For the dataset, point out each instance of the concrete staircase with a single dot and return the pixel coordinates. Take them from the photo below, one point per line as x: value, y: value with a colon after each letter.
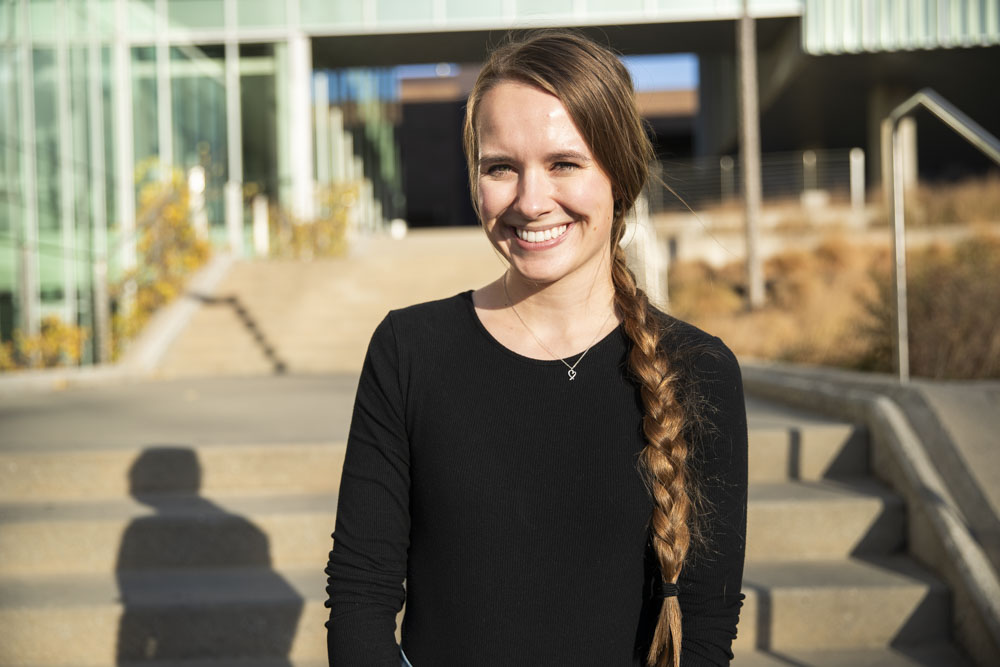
x: 827, y: 581
x: 116, y: 548
x: 317, y: 316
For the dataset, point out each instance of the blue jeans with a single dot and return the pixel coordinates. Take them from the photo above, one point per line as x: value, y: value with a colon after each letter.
x: 403, y: 662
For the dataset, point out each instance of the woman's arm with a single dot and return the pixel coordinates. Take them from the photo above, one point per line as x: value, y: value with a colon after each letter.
x: 368, y: 563
x: 711, y: 580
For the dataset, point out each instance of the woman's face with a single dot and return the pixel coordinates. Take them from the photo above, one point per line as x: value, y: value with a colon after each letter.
x: 545, y: 203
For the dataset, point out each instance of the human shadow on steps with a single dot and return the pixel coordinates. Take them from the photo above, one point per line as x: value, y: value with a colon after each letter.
x: 195, y: 581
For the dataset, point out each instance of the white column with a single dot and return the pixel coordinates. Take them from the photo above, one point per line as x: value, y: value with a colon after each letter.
x: 233, y: 193
x: 858, y: 186
x: 30, y: 296
x: 164, y: 94
x: 261, y: 227
x: 300, y: 124
x: 321, y: 102
x: 750, y: 153
x: 98, y: 191
x: 234, y: 135
x: 67, y: 183
x: 338, y: 167
x: 121, y: 96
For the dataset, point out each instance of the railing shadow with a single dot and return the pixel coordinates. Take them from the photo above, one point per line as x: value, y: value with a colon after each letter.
x: 278, y: 365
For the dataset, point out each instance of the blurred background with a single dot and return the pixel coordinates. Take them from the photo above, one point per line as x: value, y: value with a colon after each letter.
x: 206, y: 207
x: 139, y: 136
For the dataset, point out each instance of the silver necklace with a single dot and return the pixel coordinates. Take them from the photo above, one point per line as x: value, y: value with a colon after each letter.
x: 571, y: 372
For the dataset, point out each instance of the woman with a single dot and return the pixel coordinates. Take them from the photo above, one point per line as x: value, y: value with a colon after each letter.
x: 556, y: 469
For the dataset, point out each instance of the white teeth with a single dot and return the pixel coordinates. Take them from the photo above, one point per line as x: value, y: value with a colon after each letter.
x: 544, y: 235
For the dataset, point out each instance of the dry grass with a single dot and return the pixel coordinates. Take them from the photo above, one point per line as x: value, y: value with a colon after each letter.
x: 971, y: 201
x: 830, y: 306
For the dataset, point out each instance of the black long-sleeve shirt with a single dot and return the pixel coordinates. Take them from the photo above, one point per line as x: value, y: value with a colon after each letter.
x: 510, y: 501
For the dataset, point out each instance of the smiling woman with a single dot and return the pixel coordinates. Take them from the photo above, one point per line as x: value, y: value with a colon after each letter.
x: 555, y: 468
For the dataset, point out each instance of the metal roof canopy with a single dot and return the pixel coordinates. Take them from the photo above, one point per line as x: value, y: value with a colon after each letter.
x: 382, y: 50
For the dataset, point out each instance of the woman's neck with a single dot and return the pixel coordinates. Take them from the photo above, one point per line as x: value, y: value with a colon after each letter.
x: 555, y: 320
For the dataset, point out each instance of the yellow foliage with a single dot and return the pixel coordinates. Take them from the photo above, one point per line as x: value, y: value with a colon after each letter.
x: 56, y: 344
x: 169, y: 251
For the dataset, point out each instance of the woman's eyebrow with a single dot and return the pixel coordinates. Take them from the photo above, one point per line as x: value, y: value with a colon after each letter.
x: 495, y: 158
x: 567, y: 155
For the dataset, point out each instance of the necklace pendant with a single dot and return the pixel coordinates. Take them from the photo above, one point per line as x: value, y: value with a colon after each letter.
x: 571, y: 373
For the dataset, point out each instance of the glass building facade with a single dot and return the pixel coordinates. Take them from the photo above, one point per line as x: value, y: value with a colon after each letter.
x: 100, y: 98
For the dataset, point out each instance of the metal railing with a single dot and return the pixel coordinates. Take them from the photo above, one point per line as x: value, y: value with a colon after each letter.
x: 712, y: 181
x: 892, y: 181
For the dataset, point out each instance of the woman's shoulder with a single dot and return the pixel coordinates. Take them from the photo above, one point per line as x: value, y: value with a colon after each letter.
x: 429, y: 320
x: 696, y: 350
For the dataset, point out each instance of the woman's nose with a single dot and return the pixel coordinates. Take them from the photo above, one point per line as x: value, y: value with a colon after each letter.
x: 534, y: 195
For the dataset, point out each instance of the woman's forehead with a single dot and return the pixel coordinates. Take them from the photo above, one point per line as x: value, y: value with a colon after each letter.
x: 516, y: 114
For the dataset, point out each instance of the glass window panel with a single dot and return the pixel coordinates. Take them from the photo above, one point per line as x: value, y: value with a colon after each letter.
x: 544, y: 7
x: 105, y: 19
x: 142, y: 17
x: 10, y: 163
x: 259, y: 117
x: 111, y: 198
x: 393, y: 11
x: 9, y: 19
x: 196, y: 13
x: 77, y: 18
x: 46, y: 138
x: 261, y: 13
x: 327, y: 12
x: 483, y: 9
x: 615, y: 6
x: 144, y: 114
x: 80, y: 121
x: 42, y: 15
x: 198, y: 100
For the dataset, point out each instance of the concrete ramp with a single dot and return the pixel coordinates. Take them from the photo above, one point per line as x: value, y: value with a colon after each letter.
x: 316, y: 316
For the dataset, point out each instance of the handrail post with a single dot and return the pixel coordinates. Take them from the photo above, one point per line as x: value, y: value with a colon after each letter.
x: 892, y: 180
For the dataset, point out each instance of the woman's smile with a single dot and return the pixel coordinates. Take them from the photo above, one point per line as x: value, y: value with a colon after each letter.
x: 540, y: 239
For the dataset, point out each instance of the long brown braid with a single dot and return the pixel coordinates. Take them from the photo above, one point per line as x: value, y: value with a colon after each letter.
x: 597, y: 91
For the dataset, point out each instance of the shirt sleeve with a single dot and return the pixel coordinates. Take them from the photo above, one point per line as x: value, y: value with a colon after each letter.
x: 711, y: 580
x: 367, y: 565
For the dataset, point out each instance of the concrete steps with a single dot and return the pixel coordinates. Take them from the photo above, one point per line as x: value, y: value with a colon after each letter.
x: 232, y: 613
x: 212, y: 554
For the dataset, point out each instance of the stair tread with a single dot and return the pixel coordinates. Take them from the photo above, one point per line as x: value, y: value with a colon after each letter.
x: 164, y: 588
x: 852, y: 573
x: 849, y: 490
x: 168, y: 506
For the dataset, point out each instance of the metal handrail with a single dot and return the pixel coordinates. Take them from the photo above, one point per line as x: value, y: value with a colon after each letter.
x: 892, y: 179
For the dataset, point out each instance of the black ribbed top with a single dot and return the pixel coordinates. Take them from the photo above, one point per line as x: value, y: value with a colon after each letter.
x: 510, y: 501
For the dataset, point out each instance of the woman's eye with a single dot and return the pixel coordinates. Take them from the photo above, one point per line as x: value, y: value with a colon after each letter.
x: 564, y: 166
x: 497, y: 169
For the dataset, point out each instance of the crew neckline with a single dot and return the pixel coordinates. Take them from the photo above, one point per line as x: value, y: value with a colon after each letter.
x: 491, y: 339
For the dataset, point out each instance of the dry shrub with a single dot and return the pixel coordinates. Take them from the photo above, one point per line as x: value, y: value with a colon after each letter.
x: 971, y: 201
x: 953, y: 309
x: 810, y: 309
